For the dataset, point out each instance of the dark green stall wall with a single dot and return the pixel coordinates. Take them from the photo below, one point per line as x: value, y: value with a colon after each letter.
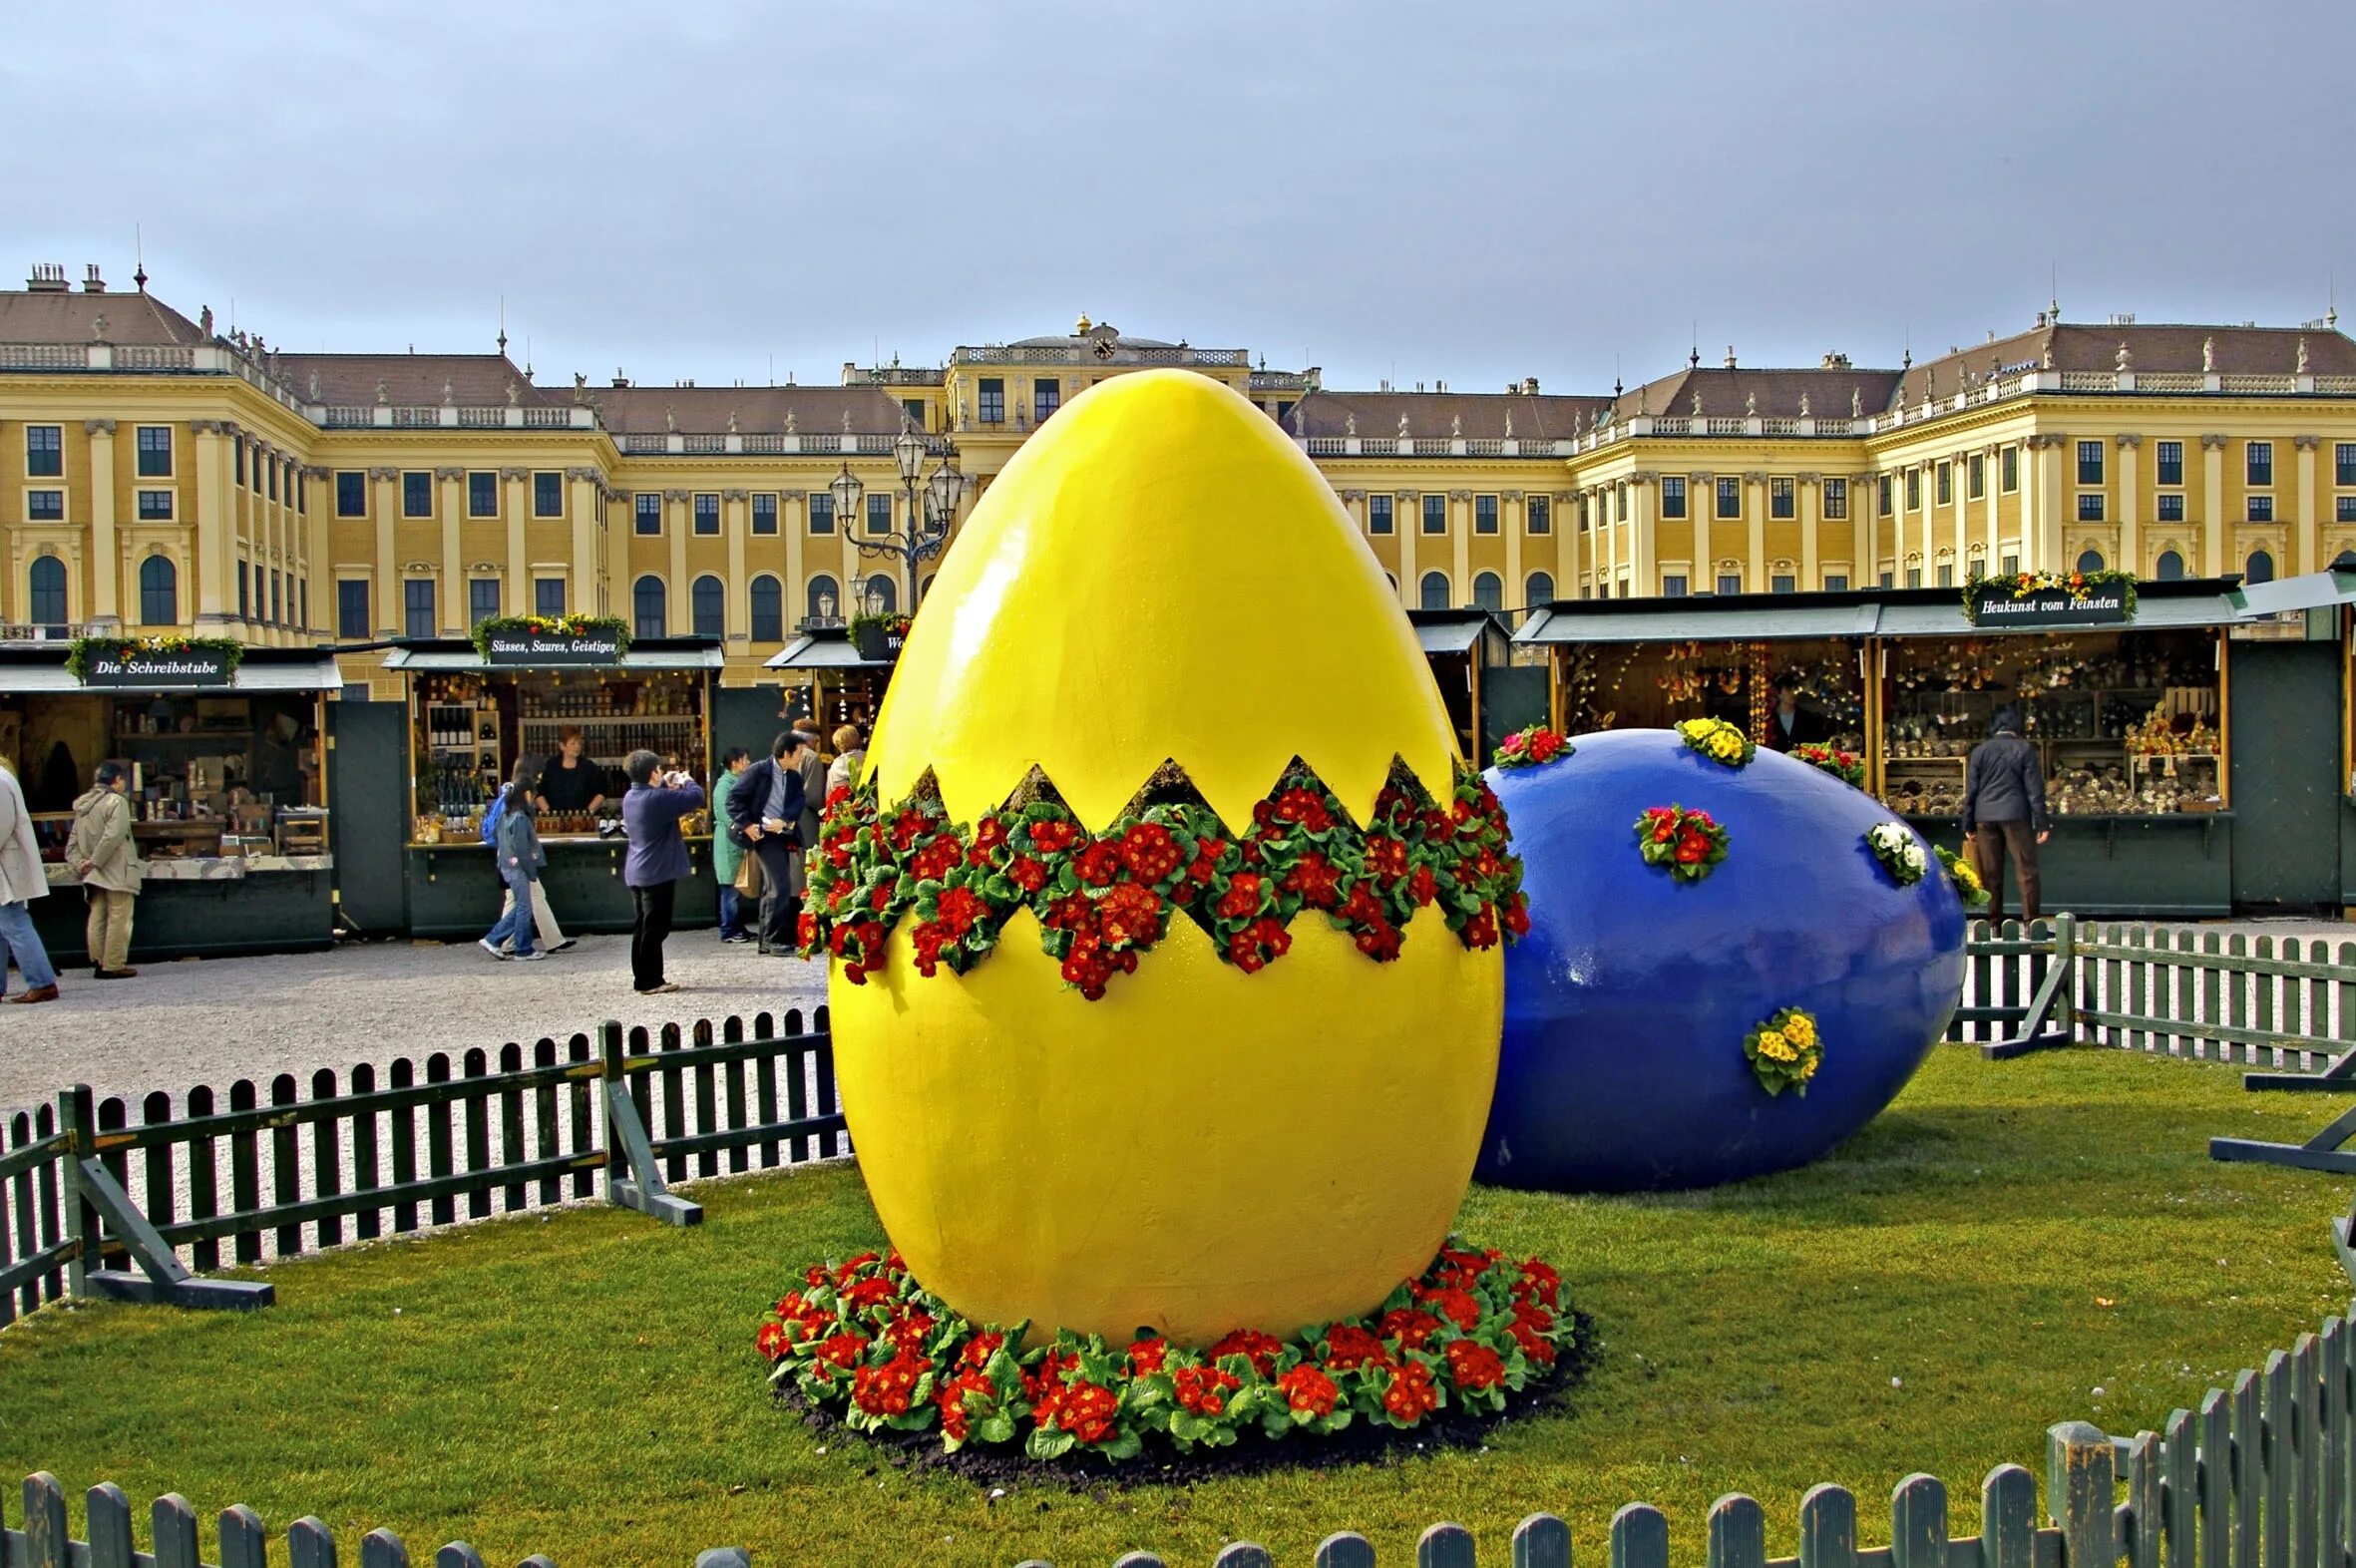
x: 454, y: 892
x: 2285, y: 709
x: 746, y: 717
x: 368, y: 813
x: 2175, y: 867
x: 264, y: 912
x: 1512, y: 697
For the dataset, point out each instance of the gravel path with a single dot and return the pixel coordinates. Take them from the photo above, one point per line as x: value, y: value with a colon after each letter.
x: 215, y: 1020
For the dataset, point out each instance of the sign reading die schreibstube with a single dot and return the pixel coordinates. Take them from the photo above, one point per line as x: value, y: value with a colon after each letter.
x: 554, y: 647
x: 147, y: 668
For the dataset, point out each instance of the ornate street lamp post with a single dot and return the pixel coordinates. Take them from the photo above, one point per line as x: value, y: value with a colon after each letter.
x: 932, y: 508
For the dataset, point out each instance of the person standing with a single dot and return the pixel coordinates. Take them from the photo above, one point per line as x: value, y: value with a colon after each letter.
x: 521, y: 860
x: 850, y: 757
x: 1790, y: 725
x: 22, y: 880
x: 571, y: 784
x: 657, y: 858
x: 813, y: 769
x: 100, y: 852
x: 765, y: 812
x: 2004, y: 812
x: 727, y: 854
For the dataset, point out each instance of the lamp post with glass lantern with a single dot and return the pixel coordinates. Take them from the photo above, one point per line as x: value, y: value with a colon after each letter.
x: 932, y: 508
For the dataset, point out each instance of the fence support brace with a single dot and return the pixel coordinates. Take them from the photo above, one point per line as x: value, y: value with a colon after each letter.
x: 94, y: 1199
x: 633, y: 1179
x: 2052, y: 1012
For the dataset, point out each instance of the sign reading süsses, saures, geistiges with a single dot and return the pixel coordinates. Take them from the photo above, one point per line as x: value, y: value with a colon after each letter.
x: 552, y: 648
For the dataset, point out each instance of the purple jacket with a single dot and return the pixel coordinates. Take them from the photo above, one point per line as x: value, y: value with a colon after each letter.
x: 658, y: 854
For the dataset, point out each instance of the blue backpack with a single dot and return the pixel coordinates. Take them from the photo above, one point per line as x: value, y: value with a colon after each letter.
x: 491, y: 819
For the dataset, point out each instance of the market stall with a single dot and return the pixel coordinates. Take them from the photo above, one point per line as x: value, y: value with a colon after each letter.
x: 828, y: 678
x: 475, y: 713
x: 2314, y: 613
x: 226, y: 788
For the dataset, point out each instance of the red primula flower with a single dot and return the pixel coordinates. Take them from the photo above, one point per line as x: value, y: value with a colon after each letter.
x: 1422, y: 887
x: 1205, y: 864
x: 1387, y: 856
x: 1250, y: 949
x: 1481, y: 931
x: 1099, y: 863
x: 1129, y: 913
x: 961, y: 908
x: 1409, y: 1326
x: 938, y: 858
x: 978, y: 1349
x: 1147, y: 1355
x: 1539, y: 1280
x: 1317, y: 880
x: 1304, y: 807
x: 1086, y: 1410
x: 1203, y: 1390
x: 990, y: 834
x: 1027, y: 874
x: 1475, y: 1366
x: 1411, y: 1395
x: 1518, y: 916
x: 1241, y: 901
x: 905, y: 829
x: 1452, y: 1303
x: 884, y: 1390
x: 1692, y: 847
x: 950, y: 1398
x: 837, y: 1350
x: 1306, y: 1389
x: 806, y: 930
x: 1150, y: 852
x: 1349, y: 1346
x: 773, y: 1340
x: 1053, y: 837
x: 1261, y: 1350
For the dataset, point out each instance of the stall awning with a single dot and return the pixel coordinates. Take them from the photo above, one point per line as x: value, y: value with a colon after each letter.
x: 254, y: 675
x: 2314, y: 590
x: 1458, y: 637
x: 1697, y: 621
x: 638, y: 659
x: 808, y: 653
x: 2154, y: 612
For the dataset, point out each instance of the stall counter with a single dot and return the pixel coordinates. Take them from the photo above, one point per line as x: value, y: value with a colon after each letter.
x: 455, y: 891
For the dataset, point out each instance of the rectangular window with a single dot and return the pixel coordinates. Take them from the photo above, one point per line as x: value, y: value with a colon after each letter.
x: 2090, y: 461
x: 2343, y: 464
x: 244, y: 594
x: 1540, y: 512
x: 1730, y: 583
x: 1914, y: 577
x: 2012, y: 565
x: 707, y: 513
x: 2171, y: 509
x: 482, y: 494
x: 1672, y: 495
x: 547, y: 495
x: 650, y: 512
x: 1671, y: 585
x: 914, y: 409
x: 261, y: 595
x: 351, y: 494
x: 2260, y: 463
x: 2347, y: 512
x: 352, y: 609
x: 822, y: 512
x: 992, y: 393
x: 1780, y: 499
x: 2170, y: 462
x: 1379, y: 514
x: 1836, y: 499
x: 878, y: 515
x: 1435, y: 514
x: 1947, y: 574
x: 1914, y: 490
x: 155, y: 451
x: 1284, y: 410
x: 1836, y: 583
x: 273, y: 479
x: 1975, y: 477
x: 1730, y: 497
x: 1046, y: 396
x: 1783, y: 584
x: 1946, y: 483
x: 2261, y: 509
x: 1881, y: 486
x: 1887, y: 580
x: 1484, y: 514
x: 45, y: 506
x: 305, y: 590
x: 481, y: 599
x: 417, y: 596
x: 548, y: 596
x: 2009, y: 475
x: 417, y: 494
x: 2090, y: 507
x: 764, y: 514
x: 238, y: 461
x: 277, y: 599
x: 45, y: 451
x: 155, y: 505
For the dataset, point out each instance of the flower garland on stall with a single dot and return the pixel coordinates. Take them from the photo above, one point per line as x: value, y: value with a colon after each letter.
x: 1103, y: 899
x: 1717, y: 740
x: 574, y: 624
x: 1785, y: 1052
x: 81, y: 650
x: 1686, y: 844
x: 2077, y: 586
x: 864, y: 1342
x: 1899, y: 851
x: 1527, y: 748
x: 1845, y: 766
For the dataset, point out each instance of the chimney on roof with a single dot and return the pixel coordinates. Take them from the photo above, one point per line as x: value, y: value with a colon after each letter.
x: 1729, y: 356
x: 2041, y: 318
x: 92, y: 283
x: 48, y: 278
x: 1529, y: 387
x: 619, y: 379
x: 1833, y: 361
x: 850, y: 373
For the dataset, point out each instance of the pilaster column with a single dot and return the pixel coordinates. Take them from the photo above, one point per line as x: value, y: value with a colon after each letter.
x: 793, y: 523
x: 735, y: 611
x: 2212, y: 504
x: 1994, y: 457
x: 2131, y: 536
x: 1865, y: 563
x: 1607, y: 574
x: 215, y: 520
x: 1959, y: 470
x: 389, y: 619
x: 1644, y: 544
x: 1700, y: 504
x: 678, y: 609
x: 106, y: 549
x: 1407, y: 515
x: 2052, y: 505
x: 1566, y: 546
x: 516, y: 592
x: 1460, y: 546
x: 2307, y: 550
x: 1812, y: 520
x: 1754, y: 571
x: 450, y: 596
x: 317, y: 560
x: 1514, y: 519
x: 586, y: 493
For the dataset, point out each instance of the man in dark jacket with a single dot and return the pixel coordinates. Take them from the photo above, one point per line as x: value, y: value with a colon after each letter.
x: 2004, y: 811
x: 765, y: 816
x: 657, y: 858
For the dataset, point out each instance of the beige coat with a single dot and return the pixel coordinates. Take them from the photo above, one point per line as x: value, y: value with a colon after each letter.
x: 21, y: 876
x: 101, y: 848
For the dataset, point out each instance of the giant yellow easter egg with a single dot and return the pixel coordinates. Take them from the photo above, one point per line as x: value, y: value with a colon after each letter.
x: 1159, y: 576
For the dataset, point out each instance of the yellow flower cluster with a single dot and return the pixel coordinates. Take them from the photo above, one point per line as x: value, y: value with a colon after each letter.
x: 1785, y: 1052
x: 1969, y: 874
x: 1717, y: 740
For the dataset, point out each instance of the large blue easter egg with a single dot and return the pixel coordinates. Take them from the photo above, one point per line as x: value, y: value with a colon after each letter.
x: 1626, y: 1006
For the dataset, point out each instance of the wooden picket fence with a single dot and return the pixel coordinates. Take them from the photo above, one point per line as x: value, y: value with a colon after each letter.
x: 2262, y: 1475
x: 87, y: 1192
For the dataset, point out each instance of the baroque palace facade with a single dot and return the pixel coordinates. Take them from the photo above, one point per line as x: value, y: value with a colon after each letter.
x: 157, y: 474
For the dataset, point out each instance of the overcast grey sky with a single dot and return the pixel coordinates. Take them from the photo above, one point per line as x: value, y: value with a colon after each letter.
x: 1470, y: 192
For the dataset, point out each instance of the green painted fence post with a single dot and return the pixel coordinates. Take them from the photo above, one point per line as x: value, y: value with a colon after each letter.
x: 46, y: 1544
x: 2008, y: 1518
x: 1640, y: 1538
x: 309, y: 1543
x: 171, y: 1526
x: 1539, y: 1541
x: 1444, y: 1546
x: 2079, y: 1487
x: 108, y: 1513
x: 1918, y: 1522
x: 1344, y: 1549
x: 1828, y: 1528
x: 75, y: 1120
x: 1737, y: 1533
x: 2066, y: 957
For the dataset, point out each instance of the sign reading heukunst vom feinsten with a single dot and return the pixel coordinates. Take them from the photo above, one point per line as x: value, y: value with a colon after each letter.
x: 147, y: 669
x: 552, y: 648
x: 2004, y: 603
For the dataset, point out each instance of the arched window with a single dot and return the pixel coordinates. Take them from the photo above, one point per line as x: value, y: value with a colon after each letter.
x: 1435, y: 590
x: 704, y: 601
x: 1541, y: 591
x: 1392, y: 580
x: 825, y: 599
x: 768, y: 606
x: 47, y: 605
x: 648, y: 599
x: 2171, y: 565
x: 2259, y: 567
x: 1488, y: 592
x: 883, y: 595
x: 2089, y: 560
x: 925, y: 590
x: 159, y: 591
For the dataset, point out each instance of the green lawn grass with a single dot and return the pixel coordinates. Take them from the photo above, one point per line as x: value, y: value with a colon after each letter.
x: 1928, y: 1299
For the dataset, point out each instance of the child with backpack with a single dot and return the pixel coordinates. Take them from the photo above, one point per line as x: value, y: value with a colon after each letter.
x: 544, y: 919
x: 519, y: 859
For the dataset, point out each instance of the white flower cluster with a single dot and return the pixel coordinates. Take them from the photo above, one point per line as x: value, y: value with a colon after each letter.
x: 1897, y: 847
